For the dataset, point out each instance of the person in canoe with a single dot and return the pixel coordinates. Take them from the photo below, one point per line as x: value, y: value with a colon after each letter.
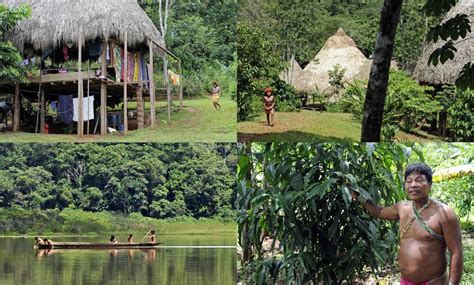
x: 48, y: 242
x: 130, y: 238
x: 151, y: 236
x: 39, y: 241
x: 113, y: 239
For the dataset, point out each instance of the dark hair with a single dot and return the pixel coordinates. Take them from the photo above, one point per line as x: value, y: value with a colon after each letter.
x: 152, y: 232
x: 112, y: 237
x: 420, y: 168
x: 130, y: 235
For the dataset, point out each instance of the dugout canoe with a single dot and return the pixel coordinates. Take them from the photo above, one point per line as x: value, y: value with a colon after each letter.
x: 92, y: 245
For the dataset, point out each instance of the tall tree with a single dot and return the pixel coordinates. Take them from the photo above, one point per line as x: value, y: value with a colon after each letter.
x: 378, y: 82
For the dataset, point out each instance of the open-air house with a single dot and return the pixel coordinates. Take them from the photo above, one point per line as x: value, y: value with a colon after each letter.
x: 91, y: 54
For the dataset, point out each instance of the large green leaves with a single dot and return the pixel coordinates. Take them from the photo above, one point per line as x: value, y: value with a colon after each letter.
x: 300, y: 196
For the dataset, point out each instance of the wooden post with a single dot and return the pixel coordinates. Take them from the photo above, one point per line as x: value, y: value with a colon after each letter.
x: 180, y: 86
x: 167, y: 86
x: 42, y: 111
x: 125, y: 83
x: 140, y: 109
x: 80, y: 95
x: 103, y: 91
x: 152, y: 87
x: 16, y: 109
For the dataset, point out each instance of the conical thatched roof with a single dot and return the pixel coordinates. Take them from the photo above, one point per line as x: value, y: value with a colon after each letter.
x: 450, y: 70
x: 338, y: 49
x: 292, y: 73
x: 56, y: 22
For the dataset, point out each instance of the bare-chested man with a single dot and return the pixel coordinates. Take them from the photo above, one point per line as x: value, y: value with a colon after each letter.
x: 427, y: 228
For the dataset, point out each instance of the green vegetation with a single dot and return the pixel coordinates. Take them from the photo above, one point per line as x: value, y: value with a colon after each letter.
x: 272, y: 32
x: 198, y: 122
x: 202, y: 34
x: 297, y: 194
x: 313, y: 126
x: 15, y: 221
x: 155, y: 180
x: 9, y: 59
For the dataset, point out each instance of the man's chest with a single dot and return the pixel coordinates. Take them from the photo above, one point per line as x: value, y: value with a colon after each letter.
x: 420, y: 230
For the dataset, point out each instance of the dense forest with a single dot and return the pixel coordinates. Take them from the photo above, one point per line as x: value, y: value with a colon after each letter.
x: 203, y: 35
x: 158, y: 181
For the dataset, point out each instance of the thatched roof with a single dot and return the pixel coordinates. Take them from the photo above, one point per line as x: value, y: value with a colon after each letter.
x: 450, y: 70
x: 291, y: 74
x: 338, y: 49
x: 56, y: 22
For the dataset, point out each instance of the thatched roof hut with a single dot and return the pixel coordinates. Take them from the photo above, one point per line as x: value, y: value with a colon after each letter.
x: 338, y: 49
x: 450, y: 70
x: 291, y: 74
x: 57, y: 22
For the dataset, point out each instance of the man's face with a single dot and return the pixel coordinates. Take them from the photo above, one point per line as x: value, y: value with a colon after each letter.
x: 417, y: 186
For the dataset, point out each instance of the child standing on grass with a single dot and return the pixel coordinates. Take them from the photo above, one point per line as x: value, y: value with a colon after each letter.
x: 269, y: 104
x: 216, y: 92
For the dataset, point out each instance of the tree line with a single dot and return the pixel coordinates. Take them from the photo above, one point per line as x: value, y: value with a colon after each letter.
x: 156, y: 180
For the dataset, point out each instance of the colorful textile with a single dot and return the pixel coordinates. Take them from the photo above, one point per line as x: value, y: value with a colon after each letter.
x: 404, y: 281
x: 136, y: 69
x: 118, y: 64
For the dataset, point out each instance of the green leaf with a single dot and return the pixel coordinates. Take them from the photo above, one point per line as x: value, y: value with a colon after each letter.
x: 346, y: 195
x: 319, y: 188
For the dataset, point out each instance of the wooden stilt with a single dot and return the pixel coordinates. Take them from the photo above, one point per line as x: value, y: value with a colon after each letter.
x: 180, y: 86
x: 42, y: 111
x: 16, y: 109
x: 152, y: 87
x: 80, y: 121
x: 140, y: 109
x: 125, y: 83
x: 103, y: 91
x: 167, y: 85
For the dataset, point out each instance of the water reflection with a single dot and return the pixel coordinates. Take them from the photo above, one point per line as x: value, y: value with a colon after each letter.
x: 21, y: 264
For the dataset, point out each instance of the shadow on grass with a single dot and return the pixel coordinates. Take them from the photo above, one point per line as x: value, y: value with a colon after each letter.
x: 288, y: 136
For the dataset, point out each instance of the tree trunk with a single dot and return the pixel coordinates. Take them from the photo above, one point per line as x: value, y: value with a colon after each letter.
x: 378, y: 82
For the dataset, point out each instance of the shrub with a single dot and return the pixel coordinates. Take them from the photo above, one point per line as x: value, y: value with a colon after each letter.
x: 461, y: 116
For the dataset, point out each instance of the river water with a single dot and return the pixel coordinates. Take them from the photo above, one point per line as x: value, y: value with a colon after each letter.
x: 21, y: 264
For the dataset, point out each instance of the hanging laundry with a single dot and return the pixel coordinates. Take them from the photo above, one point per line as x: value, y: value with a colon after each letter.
x: 136, y: 66
x: 174, y: 78
x: 87, y: 108
x: 131, y: 66
x: 118, y: 64
x: 54, y: 106
x: 65, y: 108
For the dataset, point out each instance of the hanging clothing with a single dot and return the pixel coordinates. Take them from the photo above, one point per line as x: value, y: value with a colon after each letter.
x: 65, y: 108
x: 87, y: 108
x: 54, y: 106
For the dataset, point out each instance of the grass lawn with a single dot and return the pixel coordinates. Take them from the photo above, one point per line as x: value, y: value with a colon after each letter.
x: 197, y: 122
x: 310, y: 126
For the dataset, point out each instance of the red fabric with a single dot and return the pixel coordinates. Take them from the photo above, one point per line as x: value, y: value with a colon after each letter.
x: 405, y: 281
x: 268, y: 89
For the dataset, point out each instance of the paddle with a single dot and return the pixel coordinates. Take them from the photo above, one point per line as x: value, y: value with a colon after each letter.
x: 145, y: 236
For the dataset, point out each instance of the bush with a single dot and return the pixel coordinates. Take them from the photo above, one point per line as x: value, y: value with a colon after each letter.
x: 286, y: 98
x: 406, y: 104
x: 461, y: 116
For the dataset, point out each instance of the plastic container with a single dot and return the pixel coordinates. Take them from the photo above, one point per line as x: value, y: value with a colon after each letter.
x: 120, y: 128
